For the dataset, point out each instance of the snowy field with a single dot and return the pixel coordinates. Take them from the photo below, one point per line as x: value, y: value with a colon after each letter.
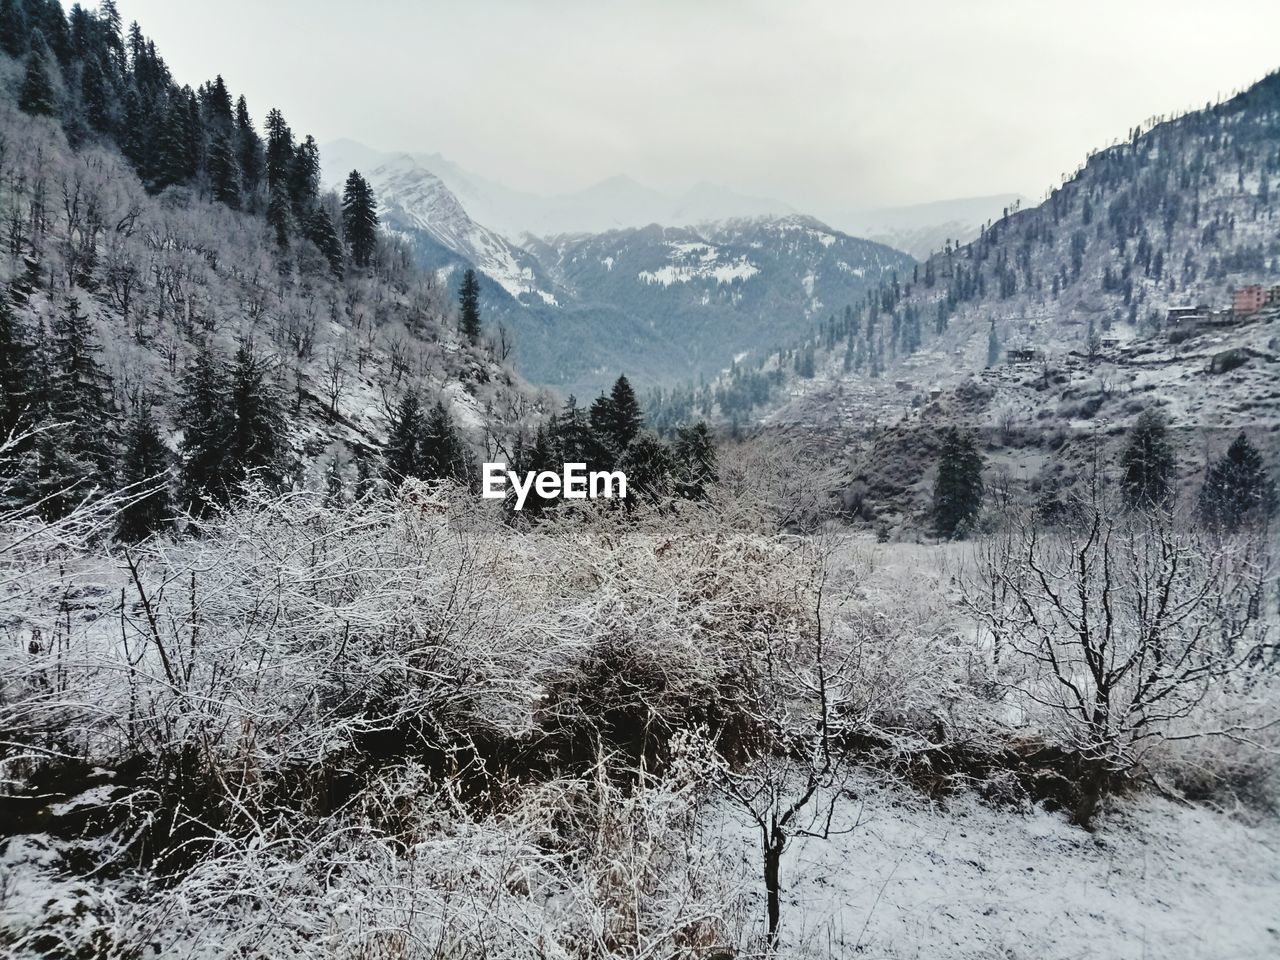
x: 1156, y: 881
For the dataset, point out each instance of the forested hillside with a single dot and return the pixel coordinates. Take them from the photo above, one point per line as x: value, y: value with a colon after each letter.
x: 178, y: 294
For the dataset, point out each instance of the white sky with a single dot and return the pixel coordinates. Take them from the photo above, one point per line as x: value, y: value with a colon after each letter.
x: 826, y: 104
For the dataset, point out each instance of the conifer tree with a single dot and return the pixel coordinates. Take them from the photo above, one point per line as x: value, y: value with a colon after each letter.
x: 694, y: 454
x: 96, y: 97
x: 958, y: 488
x: 36, y: 95
x: 401, y: 455
x: 13, y: 28
x: 359, y: 218
x: 205, y: 421
x: 248, y: 148
x: 280, y: 151
x: 442, y: 454
x: 321, y: 232
x: 145, y: 472
x: 304, y: 176
x: 649, y: 467
x: 993, y: 346
x: 469, y: 306
x: 224, y: 172
x: 625, y: 417
x: 1147, y: 463
x: 78, y: 389
x: 279, y: 214
x: 257, y: 441
x: 1237, y: 489
x: 18, y: 375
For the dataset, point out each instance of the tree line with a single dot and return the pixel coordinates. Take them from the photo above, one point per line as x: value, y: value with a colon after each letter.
x: 1237, y: 490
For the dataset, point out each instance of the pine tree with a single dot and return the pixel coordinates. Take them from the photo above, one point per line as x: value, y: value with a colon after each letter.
x: 469, y: 306
x: 78, y: 390
x: 401, y: 455
x: 958, y: 488
x: 304, y: 176
x: 625, y: 419
x: 248, y: 148
x: 206, y: 426
x: 321, y: 232
x: 442, y: 454
x: 257, y: 443
x: 96, y: 97
x: 280, y: 151
x: 224, y: 172
x: 359, y: 218
x: 279, y: 215
x: 648, y: 466
x: 36, y: 95
x: 993, y: 346
x: 145, y: 471
x: 1147, y: 463
x: 13, y: 28
x: 18, y: 376
x: 1237, y: 490
x: 695, y: 459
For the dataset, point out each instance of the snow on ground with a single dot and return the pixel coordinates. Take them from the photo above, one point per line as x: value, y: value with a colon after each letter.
x: 1157, y: 881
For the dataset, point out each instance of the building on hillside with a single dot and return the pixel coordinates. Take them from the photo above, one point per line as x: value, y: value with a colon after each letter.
x: 1273, y: 295
x: 1177, y: 316
x: 1247, y: 300
x: 1110, y: 342
x: 1023, y: 355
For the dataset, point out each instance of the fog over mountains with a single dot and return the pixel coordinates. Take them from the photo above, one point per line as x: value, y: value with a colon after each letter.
x: 611, y: 204
x: 620, y: 278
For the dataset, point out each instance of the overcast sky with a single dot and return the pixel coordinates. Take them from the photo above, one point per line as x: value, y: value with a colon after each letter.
x: 825, y: 104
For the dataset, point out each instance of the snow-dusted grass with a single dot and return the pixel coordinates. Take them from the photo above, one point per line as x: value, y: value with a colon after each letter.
x: 966, y: 881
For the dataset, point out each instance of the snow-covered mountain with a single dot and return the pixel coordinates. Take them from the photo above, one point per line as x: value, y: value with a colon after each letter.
x: 616, y: 203
x: 709, y: 294
x: 419, y: 205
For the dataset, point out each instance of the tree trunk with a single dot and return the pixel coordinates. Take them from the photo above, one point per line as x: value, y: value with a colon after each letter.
x: 772, y: 883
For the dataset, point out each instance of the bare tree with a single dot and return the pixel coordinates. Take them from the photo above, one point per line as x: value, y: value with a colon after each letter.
x: 1123, y: 623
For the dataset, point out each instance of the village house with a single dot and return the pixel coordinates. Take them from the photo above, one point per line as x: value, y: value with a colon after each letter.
x: 1248, y: 300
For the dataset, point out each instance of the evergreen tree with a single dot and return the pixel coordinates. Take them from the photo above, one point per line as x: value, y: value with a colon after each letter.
x: 18, y: 375
x: 648, y: 466
x: 1237, y: 489
x: 958, y: 488
x: 321, y: 232
x: 279, y: 215
x: 695, y: 461
x: 78, y: 390
x: 257, y: 442
x: 572, y: 435
x: 1147, y: 463
x: 248, y: 148
x: 96, y: 97
x: 224, y: 172
x: 359, y: 218
x: 993, y: 346
x: 206, y: 427
x: 442, y: 453
x: 280, y: 151
x: 36, y: 95
x: 145, y: 471
x: 304, y: 177
x: 469, y: 306
x: 401, y: 455
x: 623, y: 419
x: 13, y: 28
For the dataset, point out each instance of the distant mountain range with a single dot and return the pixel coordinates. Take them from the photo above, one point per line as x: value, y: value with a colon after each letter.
x: 923, y: 229
x: 663, y: 304
x: 612, y: 204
